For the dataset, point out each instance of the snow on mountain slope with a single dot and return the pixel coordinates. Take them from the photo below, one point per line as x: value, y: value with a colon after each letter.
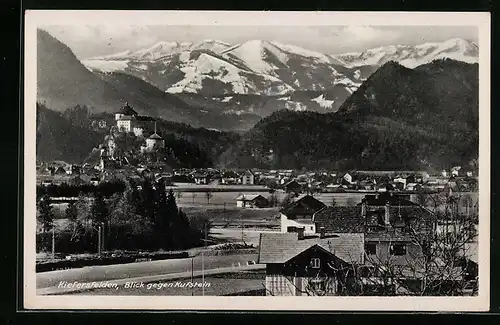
x: 162, y: 49
x: 412, y: 56
x: 207, y: 68
x: 105, y: 65
x: 254, y: 53
x: 322, y: 101
x: 214, y: 68
x: 301, y: 51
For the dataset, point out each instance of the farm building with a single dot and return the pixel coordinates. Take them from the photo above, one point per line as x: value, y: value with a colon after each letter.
x: 252, y: 201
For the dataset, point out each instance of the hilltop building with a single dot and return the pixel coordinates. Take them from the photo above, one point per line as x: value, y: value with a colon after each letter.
x: 153, y: 142
x: 128, y: 120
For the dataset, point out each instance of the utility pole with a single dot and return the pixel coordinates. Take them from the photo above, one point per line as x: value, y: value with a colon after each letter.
x: 99, y: 240
x: 192, y: 275
x: 53, y: 241
x: 202, y: 260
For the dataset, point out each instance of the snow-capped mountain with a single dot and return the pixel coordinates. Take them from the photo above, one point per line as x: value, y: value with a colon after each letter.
x: 162, y: 49
x: 412, y: 56
x: 215, y: 68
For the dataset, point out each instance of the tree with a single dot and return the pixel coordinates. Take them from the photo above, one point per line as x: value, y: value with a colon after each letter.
x: 178, y: 194
x: 287, y: 200
x: 273, y: 200
x: 99, y: 209
x: 72, y: 216
x: 208, y: 196
x: 333, y: 202
x: 147, y: 201
x: 45, y: 213
x: 83, y: 208
x: 193, y: 196
x: 446, y: 240
x: 350, y: 202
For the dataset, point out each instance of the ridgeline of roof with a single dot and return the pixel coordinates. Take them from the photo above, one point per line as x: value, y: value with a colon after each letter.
x: 305, y: 205
x: 340, y: 219
x: 144, y: 118
x: 282, y: 247
x: 127, y: 110
x: 248, y: 197
x: 155, y: 136
x: 393, y: 199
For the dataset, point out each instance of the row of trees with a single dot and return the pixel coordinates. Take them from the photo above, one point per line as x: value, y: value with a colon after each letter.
x: 107, y: 189
x: 133, y: 219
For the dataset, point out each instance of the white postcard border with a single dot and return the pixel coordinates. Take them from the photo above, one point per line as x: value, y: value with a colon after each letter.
x: 60, y: 17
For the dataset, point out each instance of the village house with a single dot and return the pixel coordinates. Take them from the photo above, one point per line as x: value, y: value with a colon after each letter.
x: 201, y: 178
x: 299, y: 215
x: 389, y: 223
x: 248, y: 178
x: 299, y: 265
x: 293, y: 187
x: 128, y: 120
x: 251, y: 201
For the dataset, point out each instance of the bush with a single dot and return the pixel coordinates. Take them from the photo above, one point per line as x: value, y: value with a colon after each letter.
x: 86, y: 242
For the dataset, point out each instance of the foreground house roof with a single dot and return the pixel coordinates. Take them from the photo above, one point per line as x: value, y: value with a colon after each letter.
x: 282, y: 247
x: 340, y: 219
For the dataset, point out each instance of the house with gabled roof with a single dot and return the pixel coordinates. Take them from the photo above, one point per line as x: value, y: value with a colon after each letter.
x: 299, y: 265
x: 248, y: 178
x: 298, y: 214
x: 251, y: 201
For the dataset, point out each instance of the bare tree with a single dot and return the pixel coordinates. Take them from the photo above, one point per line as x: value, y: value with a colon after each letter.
x: 442, y: 263
x: 273, y: 199
x: 208, y: 196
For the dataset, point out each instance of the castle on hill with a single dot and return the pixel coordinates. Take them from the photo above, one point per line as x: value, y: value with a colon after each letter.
x: 128, y: 120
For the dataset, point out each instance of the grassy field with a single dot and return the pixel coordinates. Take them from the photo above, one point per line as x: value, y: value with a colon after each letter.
x: 217, y: 285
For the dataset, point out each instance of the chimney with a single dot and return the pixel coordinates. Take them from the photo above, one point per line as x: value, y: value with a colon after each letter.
x: 387, y: 214
x: 363, y: 208
x: 300, y: 231
x: 322, y: 232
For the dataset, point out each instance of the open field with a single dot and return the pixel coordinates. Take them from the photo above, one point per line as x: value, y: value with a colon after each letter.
x: 216, y: 285
x: 249, y: 236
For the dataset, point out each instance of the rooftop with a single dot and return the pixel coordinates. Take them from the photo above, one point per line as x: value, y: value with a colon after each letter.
x: 305, y: 205
x: 282, y: 247
x: 340, y: 219
x: 127, y: 110
x: 155, y: 136
x: 248, y: 197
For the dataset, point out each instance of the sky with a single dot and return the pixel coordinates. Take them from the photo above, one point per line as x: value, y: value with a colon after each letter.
x: 93, y: 40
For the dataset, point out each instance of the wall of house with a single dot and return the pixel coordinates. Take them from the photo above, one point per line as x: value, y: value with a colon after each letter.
x: 125, y: 125
x: 279, y: 285
x: 383, y: 255
x: 309, y: 229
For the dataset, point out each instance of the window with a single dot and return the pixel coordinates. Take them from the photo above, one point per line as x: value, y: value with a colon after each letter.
x: 315, y: 263
x: 371, y: 249
x: 398, y: 249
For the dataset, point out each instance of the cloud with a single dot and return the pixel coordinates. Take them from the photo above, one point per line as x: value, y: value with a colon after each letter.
x: 360, y: 33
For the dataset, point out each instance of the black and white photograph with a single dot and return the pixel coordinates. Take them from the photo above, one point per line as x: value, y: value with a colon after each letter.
x: 180, y: 160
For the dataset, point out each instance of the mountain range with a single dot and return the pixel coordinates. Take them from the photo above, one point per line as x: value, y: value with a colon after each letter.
x: 401, y: 119
x: 214, y: 84
x: 396, y: 107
